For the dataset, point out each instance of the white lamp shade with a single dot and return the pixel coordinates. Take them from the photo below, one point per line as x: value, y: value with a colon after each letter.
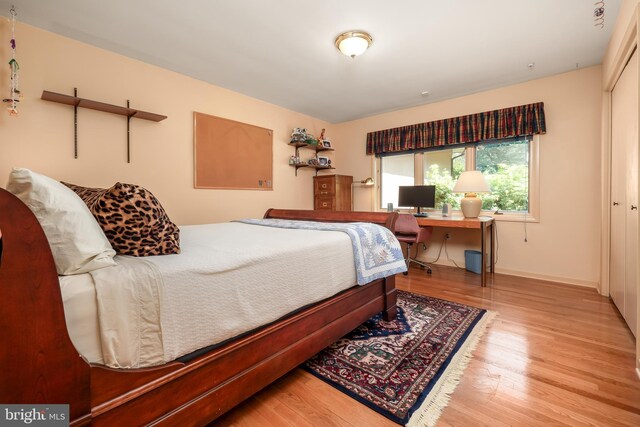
x: 353, y: 46
x: 353, y: 43
x: 471, y: 182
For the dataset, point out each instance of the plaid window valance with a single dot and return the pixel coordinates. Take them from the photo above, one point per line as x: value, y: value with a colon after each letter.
x: 522, y: 120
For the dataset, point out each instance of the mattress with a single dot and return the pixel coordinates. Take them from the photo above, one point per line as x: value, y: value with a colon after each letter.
x: 229, y: 278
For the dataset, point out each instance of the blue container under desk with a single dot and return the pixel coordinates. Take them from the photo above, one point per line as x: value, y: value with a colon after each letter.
x: 473, y: 261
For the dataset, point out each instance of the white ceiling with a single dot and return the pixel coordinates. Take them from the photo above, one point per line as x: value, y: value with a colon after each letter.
x: 283, y: 52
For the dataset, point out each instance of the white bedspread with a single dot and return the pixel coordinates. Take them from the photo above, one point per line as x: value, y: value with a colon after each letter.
x: 81, y: 315
x: 128, y: 298
x: 229, y: 279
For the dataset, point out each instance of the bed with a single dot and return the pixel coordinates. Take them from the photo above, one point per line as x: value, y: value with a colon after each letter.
x: 41, y: 365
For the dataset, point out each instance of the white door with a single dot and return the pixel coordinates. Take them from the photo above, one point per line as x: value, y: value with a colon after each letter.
x: 624, y: 190
x: 631, y: 249
x: 618, y: 215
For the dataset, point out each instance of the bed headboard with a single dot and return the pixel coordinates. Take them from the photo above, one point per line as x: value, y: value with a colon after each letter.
x: 386, y: 219
x: 32, y: 322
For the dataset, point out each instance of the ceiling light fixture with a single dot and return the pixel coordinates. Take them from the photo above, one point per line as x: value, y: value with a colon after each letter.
x: 353, y: 43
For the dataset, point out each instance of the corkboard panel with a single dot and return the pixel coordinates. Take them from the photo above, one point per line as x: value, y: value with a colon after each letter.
x: 231, y: 155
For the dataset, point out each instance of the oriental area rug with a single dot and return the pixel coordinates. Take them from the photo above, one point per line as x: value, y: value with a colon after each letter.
x: 405, y: 369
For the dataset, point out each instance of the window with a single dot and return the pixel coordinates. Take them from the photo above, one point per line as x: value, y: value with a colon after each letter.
x: 395, y: 171
x: 510, y: 167
x: 442, y: 169
x: 505, y: 165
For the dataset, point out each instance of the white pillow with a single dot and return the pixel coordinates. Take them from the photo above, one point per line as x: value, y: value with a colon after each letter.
x: 77, y: 241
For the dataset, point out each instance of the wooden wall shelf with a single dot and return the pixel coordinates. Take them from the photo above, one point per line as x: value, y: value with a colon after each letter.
x: 75, y: 101
x: 100, y: 106
x: 317, y: 148
x: 305, y: 165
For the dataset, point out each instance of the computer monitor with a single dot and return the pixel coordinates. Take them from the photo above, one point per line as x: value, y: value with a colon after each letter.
x: 417, y: 196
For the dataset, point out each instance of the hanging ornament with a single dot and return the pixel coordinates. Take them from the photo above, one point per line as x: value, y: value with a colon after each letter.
x: 14, y: 68
x: 598, y: 14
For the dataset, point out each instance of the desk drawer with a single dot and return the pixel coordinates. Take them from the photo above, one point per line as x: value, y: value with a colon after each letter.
x: 323, y: 203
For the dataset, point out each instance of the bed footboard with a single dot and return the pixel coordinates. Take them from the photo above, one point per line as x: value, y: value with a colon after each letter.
x: 387, y: 219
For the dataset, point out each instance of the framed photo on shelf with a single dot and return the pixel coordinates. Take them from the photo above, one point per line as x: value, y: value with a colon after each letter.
x: 323, y: 161
x: 326, y: 143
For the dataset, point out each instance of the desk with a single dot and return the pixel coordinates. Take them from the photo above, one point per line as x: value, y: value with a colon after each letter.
x: 482, y: 223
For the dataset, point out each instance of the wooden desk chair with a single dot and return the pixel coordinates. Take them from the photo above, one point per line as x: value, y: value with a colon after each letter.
x: 408, y: 231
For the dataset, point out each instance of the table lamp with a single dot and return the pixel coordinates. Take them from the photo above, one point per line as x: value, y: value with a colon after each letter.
x: 470, y: 183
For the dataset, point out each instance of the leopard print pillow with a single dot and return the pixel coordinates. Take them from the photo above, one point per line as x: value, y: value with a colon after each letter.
x: 88, y: 195
x: 132, y: 219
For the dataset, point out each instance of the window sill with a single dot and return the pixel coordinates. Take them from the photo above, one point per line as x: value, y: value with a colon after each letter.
x: 511, y: 216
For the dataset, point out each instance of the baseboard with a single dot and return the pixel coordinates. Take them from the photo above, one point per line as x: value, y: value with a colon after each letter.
x: 557, y: 279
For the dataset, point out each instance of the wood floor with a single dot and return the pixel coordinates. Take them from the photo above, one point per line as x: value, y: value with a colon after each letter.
x: 555, y: 355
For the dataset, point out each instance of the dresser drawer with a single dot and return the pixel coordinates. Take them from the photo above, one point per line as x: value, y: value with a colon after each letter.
x: 324, y: 186
x: 323, y: 203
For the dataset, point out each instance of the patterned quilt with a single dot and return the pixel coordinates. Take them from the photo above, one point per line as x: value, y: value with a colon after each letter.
x: 376, y: 250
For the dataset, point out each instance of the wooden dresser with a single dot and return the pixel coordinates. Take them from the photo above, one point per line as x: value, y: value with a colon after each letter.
x: 332, y: 192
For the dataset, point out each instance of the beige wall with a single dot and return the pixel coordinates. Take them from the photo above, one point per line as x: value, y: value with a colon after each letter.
x: 621, y: 24
x: 41, y: 138
x: 564, y: 245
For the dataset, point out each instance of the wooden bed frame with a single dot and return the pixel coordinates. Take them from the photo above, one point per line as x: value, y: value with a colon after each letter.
x: 40, y: 365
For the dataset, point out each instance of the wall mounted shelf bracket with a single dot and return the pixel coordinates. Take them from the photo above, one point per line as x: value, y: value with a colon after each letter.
x: 74, y: 100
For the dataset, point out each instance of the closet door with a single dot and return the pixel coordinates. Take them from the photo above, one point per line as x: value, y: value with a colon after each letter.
x: 618, y: 212
x: 624, y: 191
x: 631, y: 209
